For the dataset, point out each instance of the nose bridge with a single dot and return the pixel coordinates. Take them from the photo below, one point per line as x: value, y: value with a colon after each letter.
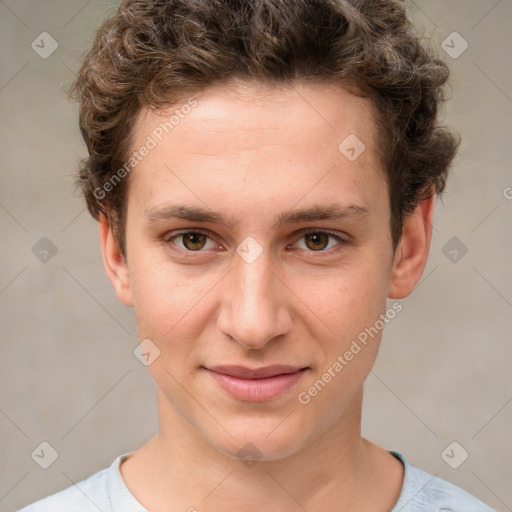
x: 252, y: 309
x: 254, y: 286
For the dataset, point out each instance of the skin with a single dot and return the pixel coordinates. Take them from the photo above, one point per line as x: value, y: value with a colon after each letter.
x: 251, y: 153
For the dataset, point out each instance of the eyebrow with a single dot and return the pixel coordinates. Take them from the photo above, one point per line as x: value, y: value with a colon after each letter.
x: 332, y: 211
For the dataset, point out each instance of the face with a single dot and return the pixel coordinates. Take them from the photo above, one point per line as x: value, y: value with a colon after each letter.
x: 252, y: 240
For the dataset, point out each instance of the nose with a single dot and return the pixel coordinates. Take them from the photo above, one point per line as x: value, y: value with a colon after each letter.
x: 255, y: 303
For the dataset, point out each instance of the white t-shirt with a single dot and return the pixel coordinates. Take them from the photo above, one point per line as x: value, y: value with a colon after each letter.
x: 106, y: 491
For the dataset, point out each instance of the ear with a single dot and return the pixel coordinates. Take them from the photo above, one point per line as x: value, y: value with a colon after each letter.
x: 412, y: 252
x: 115, y: 263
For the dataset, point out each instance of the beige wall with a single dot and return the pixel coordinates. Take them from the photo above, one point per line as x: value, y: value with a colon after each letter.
x: 68, y: 374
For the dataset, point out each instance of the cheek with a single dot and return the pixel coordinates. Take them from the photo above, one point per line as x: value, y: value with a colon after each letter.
x: 352, y: 310
x: 347, y: 360
x: 347, y: 300
x: 169, y: 303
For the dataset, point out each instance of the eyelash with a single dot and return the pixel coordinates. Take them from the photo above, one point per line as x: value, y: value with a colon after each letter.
x: 341, y: 241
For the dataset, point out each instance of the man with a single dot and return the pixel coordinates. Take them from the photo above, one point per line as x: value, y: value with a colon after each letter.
x: 264, y: 173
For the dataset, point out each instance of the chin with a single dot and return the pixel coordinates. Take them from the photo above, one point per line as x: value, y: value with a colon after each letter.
x: 256, y: 444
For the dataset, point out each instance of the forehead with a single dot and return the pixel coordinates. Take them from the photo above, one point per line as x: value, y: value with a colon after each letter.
x: 244, y: 137
x: 310, y: 113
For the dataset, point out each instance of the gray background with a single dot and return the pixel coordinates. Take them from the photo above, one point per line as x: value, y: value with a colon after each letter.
x: 68, y: 373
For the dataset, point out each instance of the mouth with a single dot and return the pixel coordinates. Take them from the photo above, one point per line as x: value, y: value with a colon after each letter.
x: 256, y: 384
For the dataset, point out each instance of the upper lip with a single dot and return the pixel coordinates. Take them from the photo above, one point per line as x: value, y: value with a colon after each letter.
x: 255, y: 373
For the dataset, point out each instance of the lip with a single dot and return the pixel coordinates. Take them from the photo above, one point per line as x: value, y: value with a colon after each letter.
x: 243, y: 372
x: 256, y: 384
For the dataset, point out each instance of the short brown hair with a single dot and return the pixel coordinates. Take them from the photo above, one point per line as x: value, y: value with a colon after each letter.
x: 155, y: 53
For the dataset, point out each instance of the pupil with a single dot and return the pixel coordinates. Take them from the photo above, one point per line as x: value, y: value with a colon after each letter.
x: 196, y: 238
x: 192, y: 239
x: 317, y: 238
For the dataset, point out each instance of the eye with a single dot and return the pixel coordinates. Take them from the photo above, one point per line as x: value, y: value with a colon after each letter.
x: 192, y: 241
x: 315, y: 240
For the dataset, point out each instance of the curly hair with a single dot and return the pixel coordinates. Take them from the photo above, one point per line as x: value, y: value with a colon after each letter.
x: 156, y: 53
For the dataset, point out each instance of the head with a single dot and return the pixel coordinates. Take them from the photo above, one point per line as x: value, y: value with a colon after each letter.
x: 299, y: 144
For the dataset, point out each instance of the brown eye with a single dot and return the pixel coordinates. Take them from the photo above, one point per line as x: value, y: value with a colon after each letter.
x: 191, y: 241
x: 317, y: 241
x: 320, y: 241
x: 194, y: 241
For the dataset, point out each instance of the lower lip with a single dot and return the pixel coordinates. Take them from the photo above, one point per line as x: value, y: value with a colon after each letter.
x: 257, y: 390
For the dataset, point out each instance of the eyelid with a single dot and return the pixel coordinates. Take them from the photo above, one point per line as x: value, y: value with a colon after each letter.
x: 168, y: 237
x: 342, y: 240
x: 175, y: 233
x: 334, y: 234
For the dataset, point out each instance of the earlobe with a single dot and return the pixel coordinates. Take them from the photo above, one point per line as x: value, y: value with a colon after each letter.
x: 115, y: 263
x: 411, y: 254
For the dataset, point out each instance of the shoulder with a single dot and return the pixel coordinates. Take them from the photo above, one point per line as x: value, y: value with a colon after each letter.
x: 89, y: 495
x: 422, y: 492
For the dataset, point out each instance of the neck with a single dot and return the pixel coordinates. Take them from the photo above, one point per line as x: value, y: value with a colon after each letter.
x: 338, y: 469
